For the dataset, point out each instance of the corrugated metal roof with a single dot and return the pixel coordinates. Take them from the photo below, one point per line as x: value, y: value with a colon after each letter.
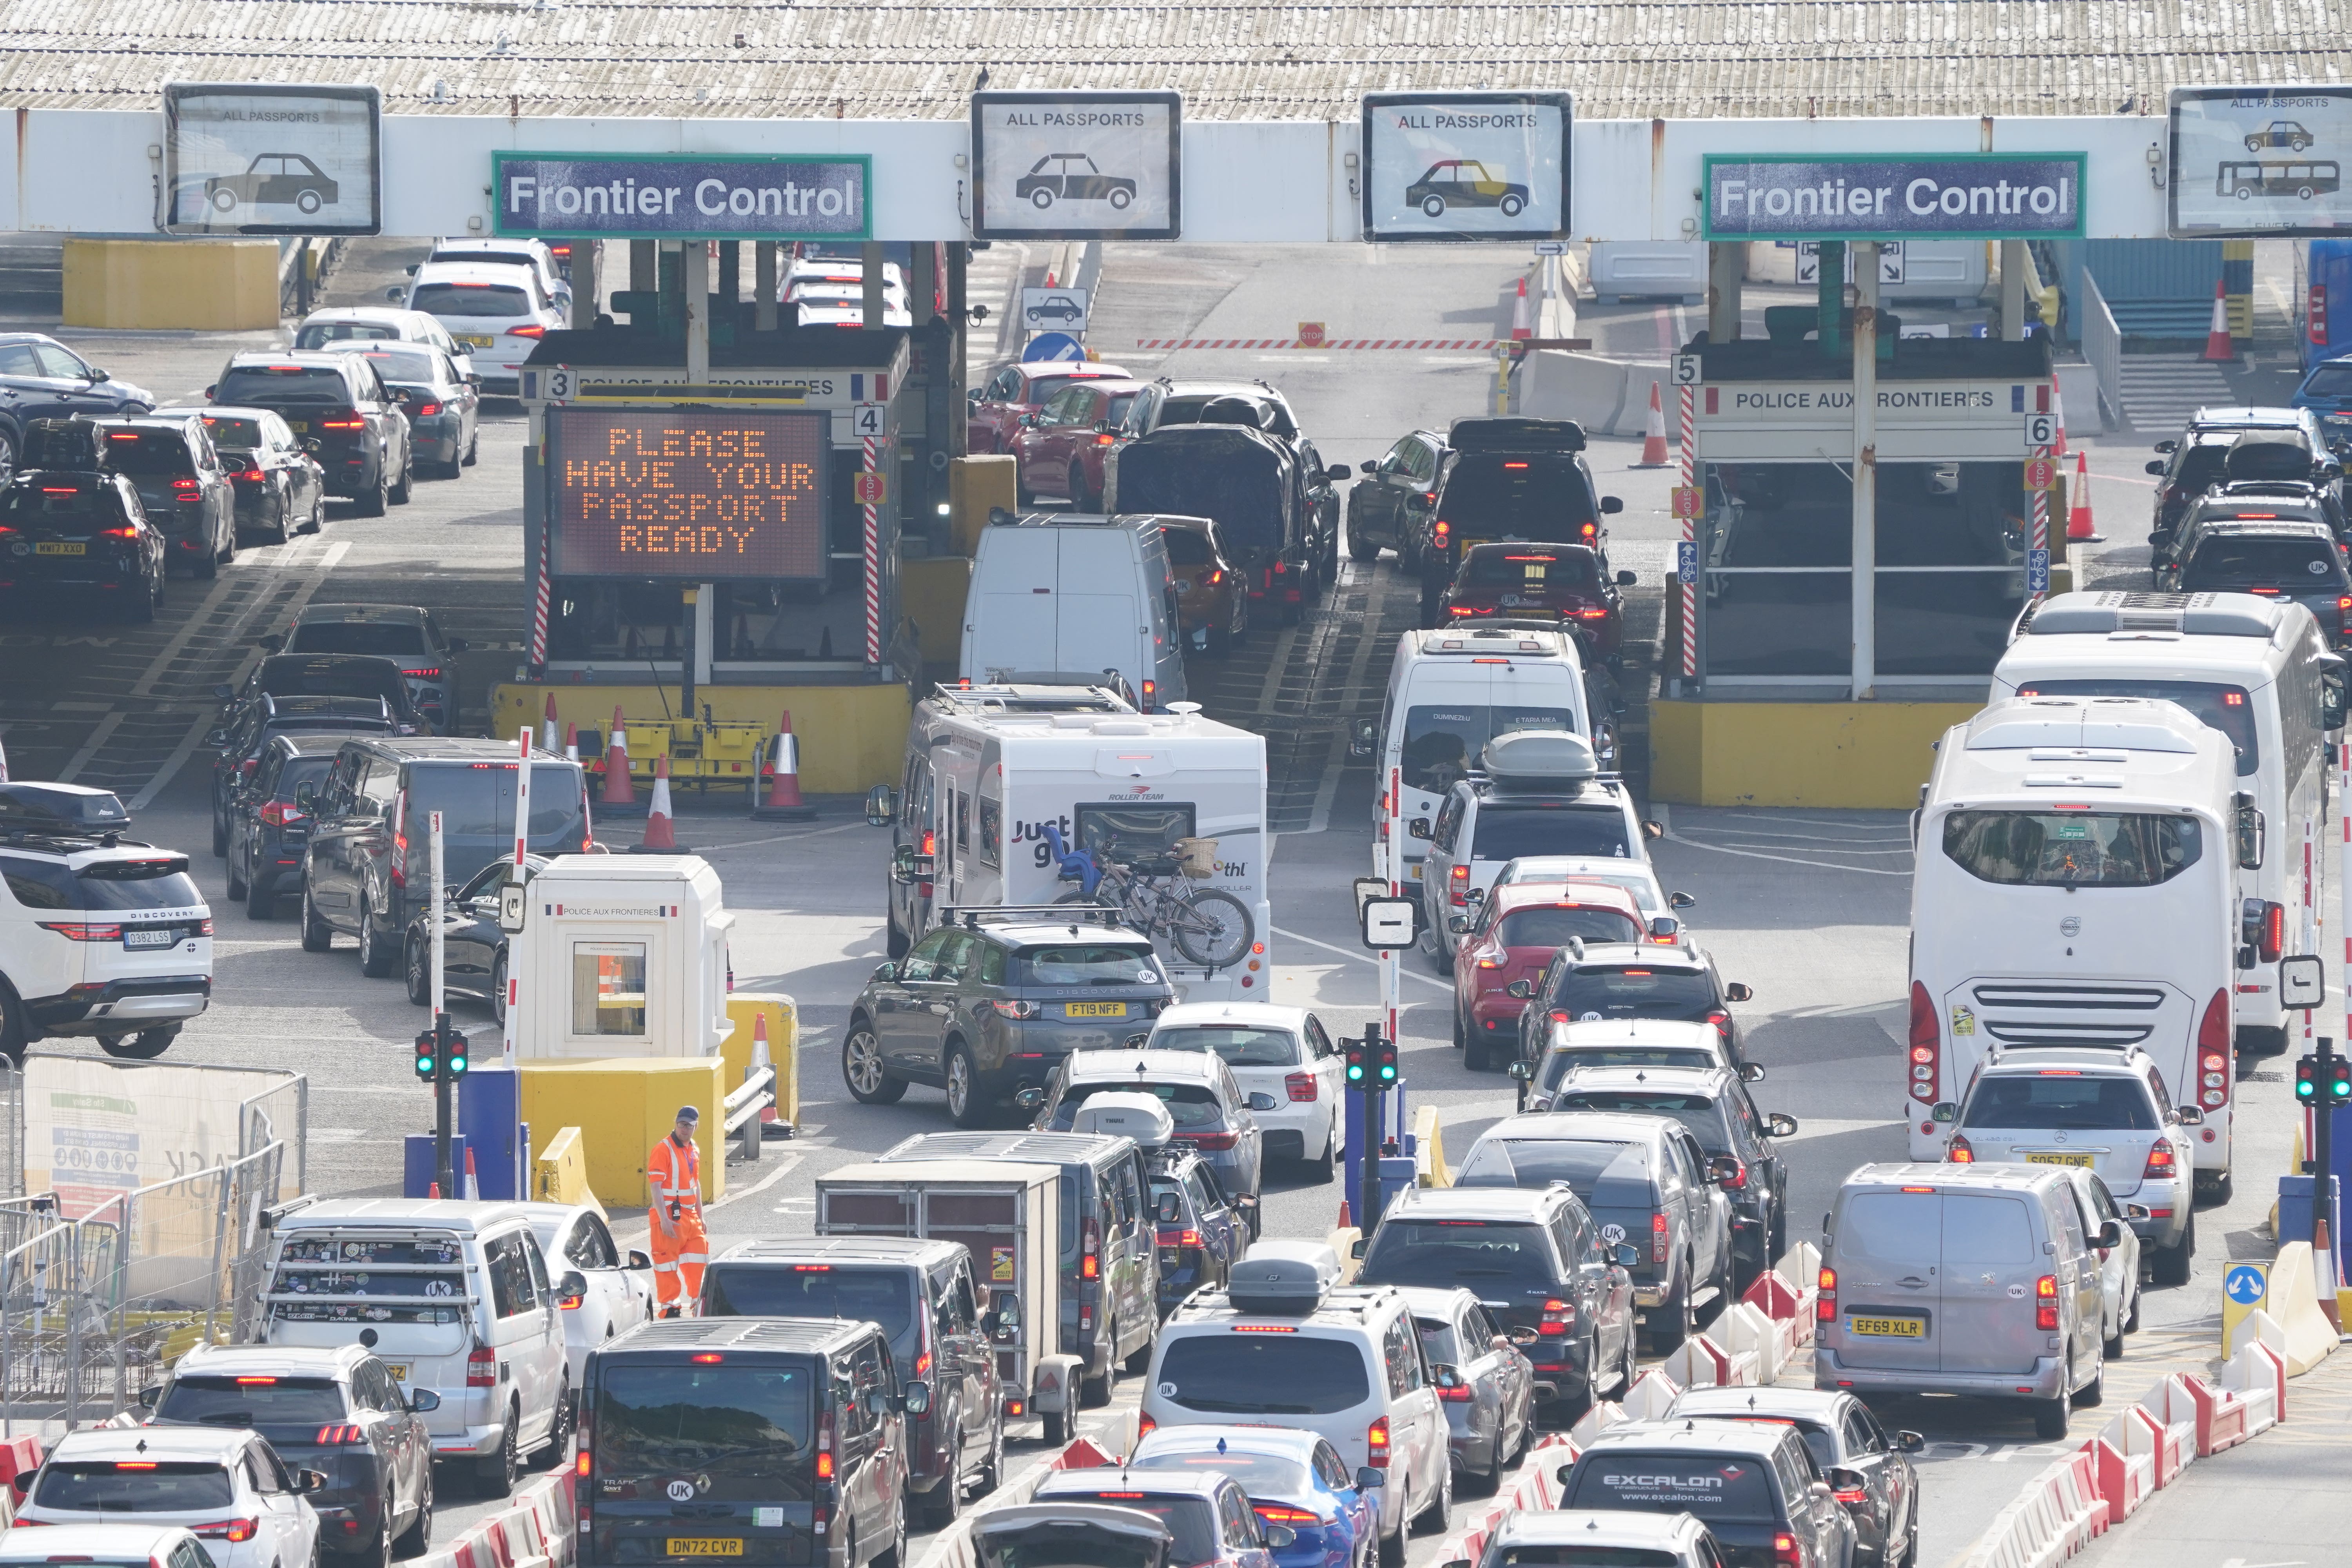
x: 897, y: 59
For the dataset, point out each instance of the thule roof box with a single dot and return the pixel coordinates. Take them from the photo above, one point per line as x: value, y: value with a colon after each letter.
x: 1121, y: 1113
x: 1290, y: 1276
x: 2144, y: 615
x: 1516, y: 434
x: 1548, y: 760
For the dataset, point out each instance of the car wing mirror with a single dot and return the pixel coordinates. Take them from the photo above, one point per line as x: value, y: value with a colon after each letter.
x: 1279, y: 1536
x: 2166, y: 445
x: 1627, y: 579
x: 1735, y: 992
x: 1518, y: 990
x: 1944, y: 1110
x: 306, y: 793
x: 1520, y: 1070
x: 1626, y: 1255
x: 2156, y: 469
x: 424, y: 1400
x: 1030, y: 1099
x: 152, y: 1396
x: 1261, y: 1100
x: 310, y: 1481
x: 225, y: 693
x: 394, y: 292
x: 21, y: 1483
x: 1369, y: 1480
x: 1458, y: 924
x: 1909, y: 1442
x: 1446, y: 1376
x: 1566, y: 1471
x: 886, y: 969
x: 2189, y: 1116
x: 1418, y: 827
x: 1780, y: 1124
x: 1170, y: 1208
x: 1680, y: 900
x: 2137, y: 1211
x: 216, y: 737
x: 1338, y: 471
x: 881, y: 807
x: 2111, y: 1234
x: 1722, y: 1170
x: 275, y: 642
x: 1665, y: 928
x: 1751, y: 1072
x: 1364, y: 738
x: 1845, y: 1481
x: 573, y: 1286
x: 1654, y: 830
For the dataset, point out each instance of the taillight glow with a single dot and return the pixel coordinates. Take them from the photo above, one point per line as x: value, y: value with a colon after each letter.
x: 1657, y: 1238
x: 2213, y: 1051
x: 76, y: 931
x: 1825, y: 1304
x: 1559, y: 1315
x: 1784, y: 1551
x: 1217, y: 1142
x: 1926, y: 1038
x: 339, y: 1436
x: 707, y: 1358
x: 527, y: 332
x: 2045, y: 1301
x: 481, y: 1367
x: 1090, y: 1258
x: 1376, y: 1443
x: 1276, y: 1513
x: 229, y: 1529
x: 1958, y: 1151
x: 1458, y: 884
x: 2160, y: 1162
x: 281, y: 814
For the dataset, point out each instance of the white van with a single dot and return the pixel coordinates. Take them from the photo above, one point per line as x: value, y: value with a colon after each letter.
x: 1453, y: 690
x: 990, y: 769
x: 453, y: 1297
x: 2077, y: 887
x: 2259, y: 670
x: 1068, y: 592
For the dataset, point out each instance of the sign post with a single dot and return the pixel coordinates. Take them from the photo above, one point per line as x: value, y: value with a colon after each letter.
x: 516, y: 877
x: 443, y: 1172
x: 1367, y: 1201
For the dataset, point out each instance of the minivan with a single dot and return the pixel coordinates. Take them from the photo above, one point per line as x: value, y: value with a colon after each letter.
x: 762, y: 1440
x: 1973, y: 1279
x: 452, y: 1297
x: 365, y: 870
x: 1069, y: 592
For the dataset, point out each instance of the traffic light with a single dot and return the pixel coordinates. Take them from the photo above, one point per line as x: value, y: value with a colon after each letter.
x: 428, y: 1047
x: 430, y: 1066
x: 2336, y: 1084
x: 1355, y: 1062
x: 1384, y: 1065
x: 2306, y: 1080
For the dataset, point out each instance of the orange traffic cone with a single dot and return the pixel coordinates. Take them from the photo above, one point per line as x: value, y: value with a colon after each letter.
x: 2079, y: 527
x: 571, y: 741
x: 783, y: 803
x: 473, y: 1183
x: 1520, y: 326
x: 1653, y: 435
x: 660, y: 840
x: 2218, y: 347
x: 2058, y: 408
x: 620, y: 797
x: 431, y: 1189
x: 1345, y: 1221
x: 547, y: 737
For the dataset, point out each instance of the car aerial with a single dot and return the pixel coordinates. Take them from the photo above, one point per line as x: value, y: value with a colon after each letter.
x: 473, y: 947
x: 339, y: 400
x: 1511, y: 479
x: 2236, y: 548
x: 109, y: 1545
x: 1602, y: 983
x: 360, y: 874
x: 1639, y: 1176
x: 273, y: 179
x: 40, y: 378
x: 334, y: 1410
x: 226, y: 1488
x: 1283, y: 1345
x: 1638, y: 878
x: 1199, y: 1232
x: 407, y: 634
x: 269, y: 830
x: 65, y: 535
x: 1564, y: 1538
x: 1386, y: 504
x: 2096, y: 1110
x: 2118, y: 1264
x: 438, y: 398
x: 1015, y: 391
x: 1211, y: 592
x: 1295, y: 1479
x: 180, y: 483
x: 1282, y: 1053
x: 1059, y: 449
x: 498, y: 314
x: 921, y: 1294
x: 284, y: 675
x: 98, y: 939
x: 1071, y: 177
x: 1465, y: 182
x: 1510, y: 937
x: 1754, y: 1485
x: 989, y: 1007
x: 1538, y: 1264
x: 1624, y: 1043
x: 1487, y: 1385
x: 377, y: 324
x: 236, y: 761
x: 1530, y: 582
x: 1212, y: 1113
x: 1842, y: 1435
x: 280, y: 488
x: 1713, y: 1103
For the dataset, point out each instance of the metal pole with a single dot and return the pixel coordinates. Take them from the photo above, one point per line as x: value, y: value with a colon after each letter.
x: 763, y: 285
x: 444, y: 1169
x: 2013, y: 290
x: 516, y: 875
x: 1866, y: 461
x: 1368, y: 1215
x: 2322, y: 1118
x: 696, y: 277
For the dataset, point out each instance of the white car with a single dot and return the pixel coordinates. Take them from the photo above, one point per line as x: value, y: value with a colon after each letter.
x: 1611, y: 1535
x: 227, y: 1487
x: 1626, y: 1043
x: 100, y: 938
x: 343, y: 324
x: 497, y: 313
x: 1281, y: 1052
x: 1639, y: 878
x: 537, y: 255
x: 620, y: 1294
x: 106, y: 1546
x: 851, y: 312
x: 2118, y: 1264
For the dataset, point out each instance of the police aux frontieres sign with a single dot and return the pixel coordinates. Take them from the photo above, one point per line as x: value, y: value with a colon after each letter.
x: 658, y: 197
x: 1859, y: 197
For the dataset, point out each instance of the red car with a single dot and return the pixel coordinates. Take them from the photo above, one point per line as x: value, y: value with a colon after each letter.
x: 1060, y: 448
x: 1523, y: 581
x: 1510, y: 938
x: 1018, y: 389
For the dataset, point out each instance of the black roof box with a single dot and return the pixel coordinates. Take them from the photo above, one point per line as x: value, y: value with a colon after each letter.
x: 1289, y: 1277
x: 1516, y: 434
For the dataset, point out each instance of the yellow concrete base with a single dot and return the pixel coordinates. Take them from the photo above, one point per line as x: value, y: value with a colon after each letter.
x: 1850, y: 755
x: 852, y: 737
x: 976, y: 483
x: 744, y: 1010
x: 561, y: 1176
x: 622, y: 1108
x: 933, y: 589
x: 222, y: 285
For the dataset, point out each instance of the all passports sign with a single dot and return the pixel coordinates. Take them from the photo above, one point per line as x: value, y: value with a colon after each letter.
x: 1990, y: 195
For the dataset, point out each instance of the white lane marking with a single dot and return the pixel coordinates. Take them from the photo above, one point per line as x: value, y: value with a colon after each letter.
x: 1362, y: 958
x: 173, y: 763
x: 97, y: 737
x: 1665, y: 819
x: 776, y: 838
x: 783, y: 1168
x: 145, y: 685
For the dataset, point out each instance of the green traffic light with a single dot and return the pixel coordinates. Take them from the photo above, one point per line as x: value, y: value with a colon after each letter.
x: 456, y: 1064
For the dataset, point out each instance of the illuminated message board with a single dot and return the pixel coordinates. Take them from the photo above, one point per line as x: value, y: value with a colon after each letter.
x: 700, y: 495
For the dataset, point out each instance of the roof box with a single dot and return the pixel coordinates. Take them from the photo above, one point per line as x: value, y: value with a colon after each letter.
x: 1283, y: 1276
x: 1121, y: 1113
x: 2074, y: 729
x: 1541, y: 759
x: 2141, y: 615
x: 1516, y: 434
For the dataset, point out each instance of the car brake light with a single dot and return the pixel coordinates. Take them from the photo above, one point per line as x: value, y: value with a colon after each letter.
x: 1276, y: 1513
x: 1825, y: 1304
x: 230, y: 1529
x: 1457, y: 1393
x: 254, y: 476
x: 2045, y: 1301
x: 1105, y: 438
x: 1560, y: 1017
x: 1090, y: 1259
x: 1588, y: 532
x: 824, y: 1447
x: 1657, y: 1238
x: 1854, y: 1499
x: 428, y: 672
x: 1559, y: 1315
x: 1960, y: 1152
x: 1926, y: 1039
x: 2213, y: 1051
x: 1444, y: 531
x: 2160, y: 1163
x: 1300, y: 1087
x: 1144, y: 1425
x: 1218, y: 576
x: 339, y: 1436
x: 533, y: 331
x: 1215, y: 1142
x: 1593, y: 613
x: 481, y: 1367
x: 1458, y: 885
x: 2316, y: 314
x: 279, y: 814
x: 76, y: 931
x: 426, y: 410
x: 343, y: 424
x: 1017, y: 1009
x: 1376, y: 1443
x: 2274, y: 932
x: 248, y: 766
x: 1784, y: 1551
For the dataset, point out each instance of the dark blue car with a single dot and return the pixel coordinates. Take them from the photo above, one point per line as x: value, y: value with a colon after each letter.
x: 2327, y: 392
x: 1292, y: 1478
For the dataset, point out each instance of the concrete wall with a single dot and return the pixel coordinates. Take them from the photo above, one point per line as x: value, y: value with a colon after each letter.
x: 219, y: 285
x: 1851, y: 754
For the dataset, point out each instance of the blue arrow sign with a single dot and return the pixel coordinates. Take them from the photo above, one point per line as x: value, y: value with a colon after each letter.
x: 1687, y: 559
x: 2244, y: 1284
x: 2037, y: 571
x: 1053, y: 346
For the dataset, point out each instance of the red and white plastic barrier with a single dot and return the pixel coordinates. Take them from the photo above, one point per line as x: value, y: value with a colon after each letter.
x: 1539, y: 1487
x: 534, y: 1531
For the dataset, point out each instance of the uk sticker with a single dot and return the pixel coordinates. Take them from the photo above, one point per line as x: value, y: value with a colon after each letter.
x: 2017, y: 1292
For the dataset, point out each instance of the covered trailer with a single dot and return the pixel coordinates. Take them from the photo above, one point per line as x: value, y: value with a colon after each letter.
x: 1244, y: 480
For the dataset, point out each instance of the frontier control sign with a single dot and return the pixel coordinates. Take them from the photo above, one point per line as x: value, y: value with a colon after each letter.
x: 692, y: 196
x: 698, y: 496
x: 1943, y: 196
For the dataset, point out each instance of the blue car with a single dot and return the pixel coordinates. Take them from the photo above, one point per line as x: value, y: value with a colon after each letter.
x: 2327, y: 392
x: 1292, y: 1478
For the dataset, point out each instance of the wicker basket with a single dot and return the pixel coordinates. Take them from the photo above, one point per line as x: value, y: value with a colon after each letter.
x: 1197, y: 858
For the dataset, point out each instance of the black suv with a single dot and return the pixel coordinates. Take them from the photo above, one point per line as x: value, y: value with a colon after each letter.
x: 473, y: 946
x: 406, y: 634
x: 1538, y: 1265
x: 80, y: 532
x: 181, y: 482
x: 987, y: 1005
x: 1715, y: 1106
x: 284, y: 675
x: 921, y: 1294
x: 268, y: 831
x: 40, y: 378
x: 1201, y: 1234
x: 1387, y: 504
x: 1754, y: 1485
x: 763, y: 1439
x: 242, y: 741
x: 339, y: 400
x: 2270, y: 548
x: 369, y: 856
x: 1585, y: 980
x: 1511, y: 478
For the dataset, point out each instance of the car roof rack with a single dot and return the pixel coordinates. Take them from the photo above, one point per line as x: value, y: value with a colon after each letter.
x: 973, y: 916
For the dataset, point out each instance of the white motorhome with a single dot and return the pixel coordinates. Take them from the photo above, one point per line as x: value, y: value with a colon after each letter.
x: 2076, y: 887
x: 1453, y: 690
x: 989, y: 769
x: 2256, y: 668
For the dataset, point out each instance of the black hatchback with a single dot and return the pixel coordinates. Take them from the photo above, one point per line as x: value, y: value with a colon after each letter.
x: 182, y: 484
x: 80, y: 533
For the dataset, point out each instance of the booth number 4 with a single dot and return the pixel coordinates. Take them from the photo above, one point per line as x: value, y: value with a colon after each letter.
x: 866, y: 419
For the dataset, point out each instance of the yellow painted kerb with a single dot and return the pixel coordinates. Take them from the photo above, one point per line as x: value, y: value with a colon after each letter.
x: 1850, y: 755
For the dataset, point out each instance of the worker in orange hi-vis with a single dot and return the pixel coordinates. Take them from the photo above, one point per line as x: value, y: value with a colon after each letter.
x: 681, y: 1246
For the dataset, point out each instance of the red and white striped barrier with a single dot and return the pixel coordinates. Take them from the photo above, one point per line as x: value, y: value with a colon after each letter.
x: 2174, y: 1431
x: 536, y: 1530
x: 1539, y: 1488
x: 1486, y: 344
